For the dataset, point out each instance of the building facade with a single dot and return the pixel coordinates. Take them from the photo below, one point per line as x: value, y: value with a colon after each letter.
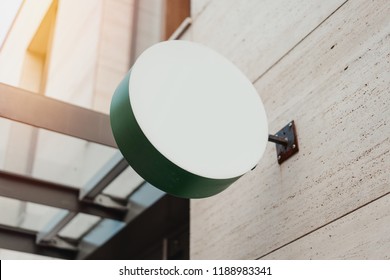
x: 323, y: 64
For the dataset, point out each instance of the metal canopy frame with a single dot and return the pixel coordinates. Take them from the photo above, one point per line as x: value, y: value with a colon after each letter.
x: 157, y: 223
x: 50, y: 194
x: 23, y: 240
x: 92, y: 191
x: 48, y: 113
x: 39, y: 111
x: 50, y: 237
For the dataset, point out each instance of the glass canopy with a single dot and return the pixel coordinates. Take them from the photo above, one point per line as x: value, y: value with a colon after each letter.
x: 68, y: 164
x: 49, y: 156
x: 25, y: 215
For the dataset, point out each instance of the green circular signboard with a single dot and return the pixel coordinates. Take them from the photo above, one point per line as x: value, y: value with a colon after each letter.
x: 187, y: 120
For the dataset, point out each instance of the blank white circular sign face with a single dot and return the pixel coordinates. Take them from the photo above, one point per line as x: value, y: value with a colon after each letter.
x: 198, y: 109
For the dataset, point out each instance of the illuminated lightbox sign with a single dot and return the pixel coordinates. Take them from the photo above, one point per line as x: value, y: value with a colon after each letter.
x: 187, y: 120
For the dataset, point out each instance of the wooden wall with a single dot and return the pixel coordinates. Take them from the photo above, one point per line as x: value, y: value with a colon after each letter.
x: 326, y: 65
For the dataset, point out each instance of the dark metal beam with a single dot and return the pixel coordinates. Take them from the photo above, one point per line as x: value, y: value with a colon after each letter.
x: 24, y: 241
x: 104, y: 177
x: 55, y: 195
x: 147, y: 230
x: 44, y: 112
x: 92, y: 191
x: 49, y: 236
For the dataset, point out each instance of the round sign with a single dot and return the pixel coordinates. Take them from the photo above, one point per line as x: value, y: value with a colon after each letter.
x: 187, y: 120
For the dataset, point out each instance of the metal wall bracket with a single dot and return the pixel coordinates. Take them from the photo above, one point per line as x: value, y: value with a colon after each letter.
x: 286, y: 141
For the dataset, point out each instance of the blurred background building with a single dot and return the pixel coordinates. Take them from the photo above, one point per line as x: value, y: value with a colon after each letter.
x: 65, y: 191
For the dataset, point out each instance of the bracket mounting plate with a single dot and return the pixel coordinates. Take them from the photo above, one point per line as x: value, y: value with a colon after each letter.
x: 285, y: 152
